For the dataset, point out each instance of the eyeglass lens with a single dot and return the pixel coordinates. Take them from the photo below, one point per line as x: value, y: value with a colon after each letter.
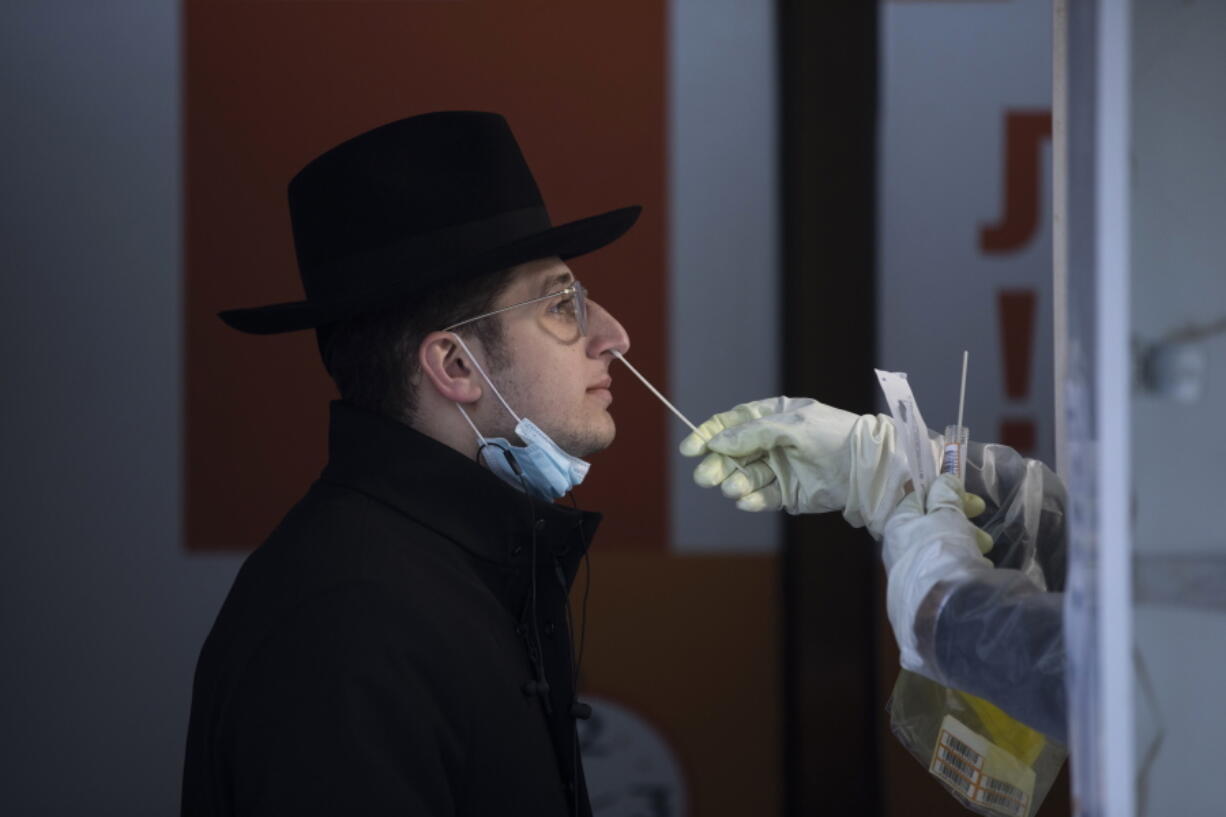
x: 581, y: 307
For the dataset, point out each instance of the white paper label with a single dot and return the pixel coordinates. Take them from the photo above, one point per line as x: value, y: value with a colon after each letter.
x: 981, y: 771
x: 912, y: 433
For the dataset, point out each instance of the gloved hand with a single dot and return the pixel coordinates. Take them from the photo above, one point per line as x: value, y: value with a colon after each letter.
x: 806, y: 457
x: 921, y: 550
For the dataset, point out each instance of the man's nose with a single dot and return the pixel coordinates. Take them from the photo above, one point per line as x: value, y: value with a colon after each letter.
x: 605, y: 333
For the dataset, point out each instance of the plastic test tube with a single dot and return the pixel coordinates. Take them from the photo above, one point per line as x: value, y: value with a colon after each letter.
x: 953, y: 458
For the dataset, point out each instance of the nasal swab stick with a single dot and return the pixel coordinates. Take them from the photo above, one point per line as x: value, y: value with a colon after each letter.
x: 671, y: 407
x: 652, y: 388
x: 962, y: 394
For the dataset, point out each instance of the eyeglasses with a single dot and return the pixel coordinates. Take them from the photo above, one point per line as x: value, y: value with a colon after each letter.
x: 573, y: 298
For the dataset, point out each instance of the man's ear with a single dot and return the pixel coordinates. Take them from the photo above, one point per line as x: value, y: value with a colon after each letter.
x: 447, y: 368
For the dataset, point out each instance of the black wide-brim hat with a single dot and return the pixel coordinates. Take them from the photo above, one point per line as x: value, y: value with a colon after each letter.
x: 413, y: 205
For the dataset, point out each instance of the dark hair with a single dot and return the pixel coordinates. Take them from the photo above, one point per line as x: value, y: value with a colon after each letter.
x: 372, y: 358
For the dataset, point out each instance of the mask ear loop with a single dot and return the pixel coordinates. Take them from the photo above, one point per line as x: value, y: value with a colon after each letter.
x: 493, y: 388
x: 542, y: 684
x: 483, y: 444
x: 481, y: 441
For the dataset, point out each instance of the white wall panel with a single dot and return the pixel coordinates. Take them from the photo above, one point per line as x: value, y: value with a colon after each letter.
x: 723, y: 245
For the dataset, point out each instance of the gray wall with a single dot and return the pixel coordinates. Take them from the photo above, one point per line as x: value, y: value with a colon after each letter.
x: 101, y: 611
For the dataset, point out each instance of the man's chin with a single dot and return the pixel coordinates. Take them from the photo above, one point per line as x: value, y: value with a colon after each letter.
x: 595, y: 440
x: 598, y: 447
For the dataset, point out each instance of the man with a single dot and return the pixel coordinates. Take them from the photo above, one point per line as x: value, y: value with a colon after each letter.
x: 400, y: 643
x: 990, y: 627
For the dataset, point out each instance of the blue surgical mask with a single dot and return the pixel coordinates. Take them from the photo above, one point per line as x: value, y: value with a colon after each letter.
x: 540, y: 466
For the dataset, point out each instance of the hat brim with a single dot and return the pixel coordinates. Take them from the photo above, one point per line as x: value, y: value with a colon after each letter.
x: 568, y: 240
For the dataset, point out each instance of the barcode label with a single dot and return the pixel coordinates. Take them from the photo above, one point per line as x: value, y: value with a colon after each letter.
x: 1001, y: 787
x: 961, y: 748
x: 1001, y: 802
x: 952, y: 777
x: 967, y: 770
x: 949, y: 465
x: 958, y: 763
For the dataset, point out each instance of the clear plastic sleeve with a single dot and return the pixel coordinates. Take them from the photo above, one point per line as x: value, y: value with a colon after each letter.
x: 990, y: 719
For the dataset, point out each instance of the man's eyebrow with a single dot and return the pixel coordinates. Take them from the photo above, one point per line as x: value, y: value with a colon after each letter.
x: 559, y: 281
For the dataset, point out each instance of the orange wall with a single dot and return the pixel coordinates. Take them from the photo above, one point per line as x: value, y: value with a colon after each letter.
x: 269, y: 85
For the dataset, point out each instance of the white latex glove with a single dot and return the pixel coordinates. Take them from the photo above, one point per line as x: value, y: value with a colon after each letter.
x: 805, y: 457
x: 921, y: 550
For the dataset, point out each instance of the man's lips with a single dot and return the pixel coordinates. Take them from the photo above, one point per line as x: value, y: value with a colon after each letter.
x: 601, y: 389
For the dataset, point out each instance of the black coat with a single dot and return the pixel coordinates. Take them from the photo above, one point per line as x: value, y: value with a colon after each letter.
x: 375, y: 654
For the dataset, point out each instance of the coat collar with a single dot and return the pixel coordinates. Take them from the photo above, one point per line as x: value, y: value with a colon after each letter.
x: 449, y: 493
